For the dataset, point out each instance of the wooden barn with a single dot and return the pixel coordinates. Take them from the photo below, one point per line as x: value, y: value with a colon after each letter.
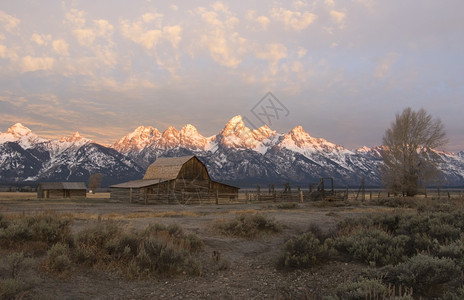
x: 174, y: 180
x: 61, y: 190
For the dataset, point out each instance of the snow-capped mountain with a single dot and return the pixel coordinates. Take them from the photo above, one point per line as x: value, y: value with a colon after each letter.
x: 237, y: 155
x: 26, y: 157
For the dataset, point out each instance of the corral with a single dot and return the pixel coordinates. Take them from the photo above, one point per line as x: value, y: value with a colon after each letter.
x: 182, y: 180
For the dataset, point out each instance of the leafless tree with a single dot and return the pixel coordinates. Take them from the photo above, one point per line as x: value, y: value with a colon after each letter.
x: 95, y: 181
x: 409, y: 151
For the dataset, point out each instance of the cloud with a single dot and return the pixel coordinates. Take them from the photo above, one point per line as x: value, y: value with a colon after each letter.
x: 160, y: 42
x: 296, y: 20
x: 273, y: 53
x: 8, y: 22
x: 103, y: 28
x: 14, y: 101
x: 151, y: 17
x: 85, y: 37
x: 330, y: 3
x: 382, y: 69
x: 225, y: 45
x: 263, y: 21
x: 339, y: 17
x: 41, y: 39
x: 31, y: 64
x: 301, y: 52
x: 76, y: 18
x: 61, y: 47
x: 136, y: 33
x: 7, y: 53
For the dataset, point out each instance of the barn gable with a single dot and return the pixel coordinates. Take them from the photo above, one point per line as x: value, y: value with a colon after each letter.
x: 185, y: 167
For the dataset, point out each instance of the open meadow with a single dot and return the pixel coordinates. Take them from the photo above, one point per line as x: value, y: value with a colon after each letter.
x: 97, y: 248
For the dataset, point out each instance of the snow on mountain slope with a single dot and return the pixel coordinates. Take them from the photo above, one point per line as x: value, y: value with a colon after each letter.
x: 137, y: 140
x: 190, y: 138
x: 22, y: 135
x: 237, y: 155
x: 236, y: 135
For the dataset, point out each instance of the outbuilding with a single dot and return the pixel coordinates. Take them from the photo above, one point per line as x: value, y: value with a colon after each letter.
x: 174, y: 180
x: 61, y: 190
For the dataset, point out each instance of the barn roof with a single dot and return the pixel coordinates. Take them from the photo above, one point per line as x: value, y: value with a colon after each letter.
x: 166, y: 167
x: 62, y: 186
x: 137, y: 183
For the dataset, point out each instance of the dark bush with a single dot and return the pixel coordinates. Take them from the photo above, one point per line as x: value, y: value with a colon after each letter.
x: 58, y: 258
x: 373, y: 246
x: 305, y: 251
x: 423, y: 273
x: 248, y: 226
x: 362, y: 289
x: 47, y: 227
x: 12, y: 288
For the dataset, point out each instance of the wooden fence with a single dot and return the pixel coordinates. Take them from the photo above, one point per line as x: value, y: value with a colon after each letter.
x: 276, y: 196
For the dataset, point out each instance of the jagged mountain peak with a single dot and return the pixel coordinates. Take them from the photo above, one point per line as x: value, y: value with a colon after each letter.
x: 171, y: 130
x: 138, y: 139
x: 18, y: 130
x: 236, y: 135
x: 189, y: 129
x: 299, y: 140
x: 190, y: 138
x: 75, y: 138
x: 263, y: 132
x: 234, y: 125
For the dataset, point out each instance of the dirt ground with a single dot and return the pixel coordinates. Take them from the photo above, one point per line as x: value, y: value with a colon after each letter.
x: 252, y: 273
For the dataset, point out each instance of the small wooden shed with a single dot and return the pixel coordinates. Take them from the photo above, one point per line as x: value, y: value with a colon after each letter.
x: 174, y: 180
x: 61, y: 190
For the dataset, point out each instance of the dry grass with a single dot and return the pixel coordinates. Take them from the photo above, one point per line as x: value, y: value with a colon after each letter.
x: 17, y: 196
x: 33, y: 196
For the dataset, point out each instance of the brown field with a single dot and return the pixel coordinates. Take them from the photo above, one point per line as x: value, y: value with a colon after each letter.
x: 252, y: 273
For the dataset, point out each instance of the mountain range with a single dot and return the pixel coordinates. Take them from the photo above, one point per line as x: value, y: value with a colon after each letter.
x: 237, y: 155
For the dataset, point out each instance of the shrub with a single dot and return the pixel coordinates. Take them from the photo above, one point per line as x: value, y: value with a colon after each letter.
x: 373, y: 246
x: 362, y: 289
x: 84, y: 254
x: 161, y: 257
x: 287, y: 205
x: 49, y: 227
x: 423, y: 273
x: 248, y: 226
x: 4, y: 222
x: 454, y: 295
x: 46, y: 227
x: 193, y: 242
x: 98, y: 235
x: 58, y: 258
x: 365, y: 288
x: 453, y: 250
x: 11, y: 288
x: 305, y: 251
x: 14, y: 263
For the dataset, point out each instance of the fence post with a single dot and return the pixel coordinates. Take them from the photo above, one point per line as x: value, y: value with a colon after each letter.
x: 246, y: 197
x: 130, y: 195
x: 301, y: 196
x: 217, y: 197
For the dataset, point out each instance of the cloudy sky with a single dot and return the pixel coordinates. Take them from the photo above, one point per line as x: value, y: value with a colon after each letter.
x: 341, y: 69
